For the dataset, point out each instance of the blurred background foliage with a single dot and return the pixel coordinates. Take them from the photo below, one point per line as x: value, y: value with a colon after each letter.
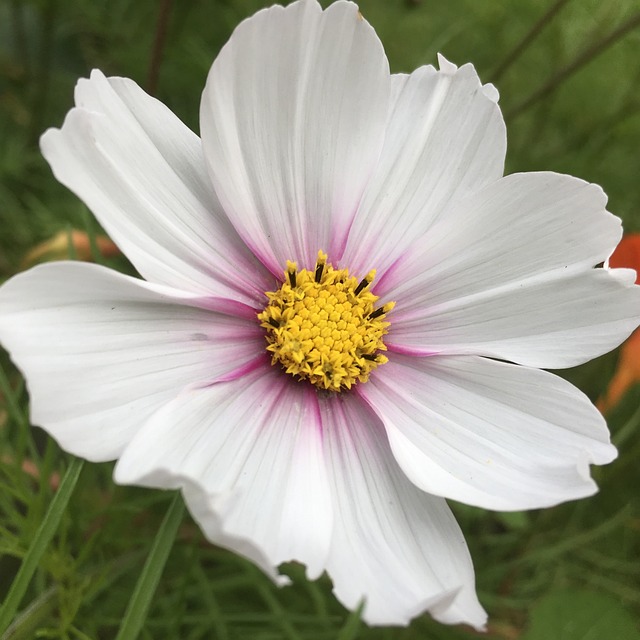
x: 569, y: 76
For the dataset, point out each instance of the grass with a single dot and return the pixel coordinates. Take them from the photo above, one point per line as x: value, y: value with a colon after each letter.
x: 569, y: 79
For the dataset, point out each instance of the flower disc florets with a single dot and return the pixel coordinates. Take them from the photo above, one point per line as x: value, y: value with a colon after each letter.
x: 322, y: 326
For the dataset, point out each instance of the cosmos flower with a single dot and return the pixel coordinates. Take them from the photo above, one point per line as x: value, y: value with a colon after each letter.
x: 344, y: 310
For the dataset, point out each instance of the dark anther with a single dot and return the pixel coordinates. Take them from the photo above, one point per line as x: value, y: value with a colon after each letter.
x: 370, y: 356
x: 273, y: 322
x: 319, y: 271
x: 363, y: 283
x: 292, y: 278
x: 377, y: 313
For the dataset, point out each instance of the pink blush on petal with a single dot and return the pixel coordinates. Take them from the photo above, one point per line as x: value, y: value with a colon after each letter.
x: 409, y: 351
x: 261, y: 361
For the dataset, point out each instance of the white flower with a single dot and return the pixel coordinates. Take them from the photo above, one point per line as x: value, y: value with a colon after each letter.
x: 309, y: 145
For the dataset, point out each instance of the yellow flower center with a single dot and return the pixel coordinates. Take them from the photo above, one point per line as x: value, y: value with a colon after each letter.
x: 322, y: 326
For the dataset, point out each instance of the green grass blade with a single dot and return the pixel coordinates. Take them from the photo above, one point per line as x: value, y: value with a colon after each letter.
x: 26, y: 623
x: 148, y: 581
x: 42, y: 538
x: 352, y: 626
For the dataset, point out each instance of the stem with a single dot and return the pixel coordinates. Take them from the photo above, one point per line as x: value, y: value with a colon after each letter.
x: 586, y: 56
x: 43, y: 69
x: 26, y: 623
x: 43, y: 536
x: 148, y: 581
x: 158, y: 46
x: 529, y: 37
x: 20, y: 34
x: 352, y: 625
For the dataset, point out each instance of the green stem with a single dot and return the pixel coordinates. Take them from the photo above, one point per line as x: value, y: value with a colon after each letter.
x: 530, y: 36
x: 43, y: 69
x: 158, y: 46
x: 148, y: 581
x: 586, y: 56
x: 26, y: 623
x: 352, y: 625
x: 43, y: 536
x: 20, y: 34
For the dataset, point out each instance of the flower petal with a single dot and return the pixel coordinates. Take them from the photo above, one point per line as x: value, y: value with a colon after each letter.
x: 254, y: 447
x: 445, y: 139
x: 271, y: 474
x: 201, y: 506
x: 101, y: 351
x: 508, y: 274
x: 396, y: 547
x: 292, y: 120
x: 487, y: 433
x: 141, y: 171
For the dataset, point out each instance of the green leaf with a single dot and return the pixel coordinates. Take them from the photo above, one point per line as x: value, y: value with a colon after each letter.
x: 145, y: 588
x: 39, y: 543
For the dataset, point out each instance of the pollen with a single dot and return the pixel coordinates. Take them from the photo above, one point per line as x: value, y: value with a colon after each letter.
x: 323, y: 326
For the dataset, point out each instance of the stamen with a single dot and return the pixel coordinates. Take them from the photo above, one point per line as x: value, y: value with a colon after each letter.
x: 322, y: 326
x: 384, y: 309
x: 322, y: 260
x: 365, y: 282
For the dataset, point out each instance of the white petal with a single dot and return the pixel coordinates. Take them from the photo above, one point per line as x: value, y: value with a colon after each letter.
x: 252, y: 455
x: 491, y: 92
x: 254, y: 446
x: 101, y: 351
x: 201, y: 506
x: 396, y: 547
x: 487, y: 433
x: 523, y: 225
x: 508, y: 274
x: 141, y: 171
x: 446, y: 66
x: 292, y: 121
x: 445, y: 139
x: 555, y: 324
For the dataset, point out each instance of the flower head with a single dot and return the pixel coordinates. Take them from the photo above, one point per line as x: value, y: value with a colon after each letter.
x: 261, y: 365
x: 322, y: 326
